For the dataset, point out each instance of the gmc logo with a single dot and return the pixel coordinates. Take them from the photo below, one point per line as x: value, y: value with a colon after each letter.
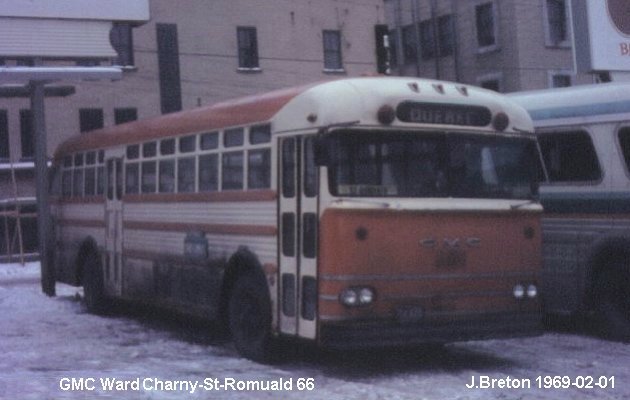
x: 452, y: 243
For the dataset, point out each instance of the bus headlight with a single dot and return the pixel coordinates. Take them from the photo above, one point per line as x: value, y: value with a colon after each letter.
x: 518, y: 291
x: 532, y: 291
x: 366, y: 295
x: 357, y: 296
x: 349, y: 297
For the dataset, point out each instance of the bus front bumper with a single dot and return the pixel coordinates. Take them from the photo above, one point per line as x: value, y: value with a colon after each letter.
x: 359, y: 334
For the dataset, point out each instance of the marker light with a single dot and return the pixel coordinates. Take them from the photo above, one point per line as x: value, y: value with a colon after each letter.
x: 386, y: 114
x: 532, y: 291
x: 357, y: 296
x: 349, y: 297
x: 366, y: 295
x: 500, y: 121
x: 518, y: 291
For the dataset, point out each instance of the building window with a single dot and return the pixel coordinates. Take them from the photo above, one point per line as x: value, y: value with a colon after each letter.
x: 556, y: 23
x: 332, y: 50
x: 427, y: 40
x: 247, y: 47
x: 90, y: 119
x: 486, y: 25
x: 380, y: 36
x: 392, y: 40
x: 122, y: 41
x: 560, y: 79
x: 446, y: 35
x: 569, y: 157
x: 26, y: 134
x: 4, y: 136
x: 168, y: 65
x: 122, y: 115
x: 409, y: 44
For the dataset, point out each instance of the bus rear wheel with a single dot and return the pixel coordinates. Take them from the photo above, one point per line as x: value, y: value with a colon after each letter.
x: 249, y: 318
x: 612, y: 300
x: 93, y: 285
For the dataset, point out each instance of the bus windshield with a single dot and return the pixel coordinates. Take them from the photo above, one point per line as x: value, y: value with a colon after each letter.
x: 425, y: 164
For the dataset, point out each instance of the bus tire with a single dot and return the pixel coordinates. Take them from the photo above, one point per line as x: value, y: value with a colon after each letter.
x: 249, y: 318
x: 93, y: 285
x: 611, y: 294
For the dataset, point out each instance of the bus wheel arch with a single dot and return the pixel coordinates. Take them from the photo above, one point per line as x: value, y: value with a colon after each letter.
x: 609, y: 288
x: 246, y: 306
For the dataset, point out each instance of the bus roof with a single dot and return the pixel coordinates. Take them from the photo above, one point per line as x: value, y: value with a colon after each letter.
x: 307, y: 107
x: 574, y: 104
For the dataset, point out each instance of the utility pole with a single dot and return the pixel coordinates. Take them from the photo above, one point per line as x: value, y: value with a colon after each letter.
x: 41, y: 179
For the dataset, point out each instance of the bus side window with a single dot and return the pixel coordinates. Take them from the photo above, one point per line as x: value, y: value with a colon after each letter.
x: 186, y: 175
x: 232, y: 176
x: 624, y: 142
x: 90, y: 174
x: 148, y: 177
x: 167, y: 176
x: 260, y: 134
x: 569, y: 157
x: 77, y: 185
x: 100, y: 180
x: 66, y: 183
x: 208, y: 172
x: 119, y: 179
x: 132, y: 180
x: 259, y: 169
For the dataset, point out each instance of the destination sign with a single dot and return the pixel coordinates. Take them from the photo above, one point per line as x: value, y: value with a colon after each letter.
x: 443, y: 114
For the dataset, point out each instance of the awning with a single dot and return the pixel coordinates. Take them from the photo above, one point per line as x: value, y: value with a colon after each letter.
x: 55, y: 38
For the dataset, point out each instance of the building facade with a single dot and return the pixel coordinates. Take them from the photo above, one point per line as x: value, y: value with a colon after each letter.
x: 193, y: 53
x: 504, y: 45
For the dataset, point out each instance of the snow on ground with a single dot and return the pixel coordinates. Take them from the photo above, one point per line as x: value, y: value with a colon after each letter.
x: 45, y: 343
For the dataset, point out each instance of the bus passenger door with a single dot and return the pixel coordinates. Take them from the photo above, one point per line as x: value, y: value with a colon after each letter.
x: 298, y: 220
x: 113, y: 226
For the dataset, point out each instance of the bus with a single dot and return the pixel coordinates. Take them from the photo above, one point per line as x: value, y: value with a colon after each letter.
x: 358, y: 212
x: 584, y: 136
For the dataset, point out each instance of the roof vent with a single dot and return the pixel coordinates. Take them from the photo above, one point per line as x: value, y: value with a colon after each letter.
x: 438, y: 88
x: 414, y: 86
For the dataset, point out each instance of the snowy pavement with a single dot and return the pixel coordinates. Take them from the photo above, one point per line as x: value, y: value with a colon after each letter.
x: 50, y: 348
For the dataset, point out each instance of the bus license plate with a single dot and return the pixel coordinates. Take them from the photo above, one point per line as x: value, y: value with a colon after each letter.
x: 409, y: 314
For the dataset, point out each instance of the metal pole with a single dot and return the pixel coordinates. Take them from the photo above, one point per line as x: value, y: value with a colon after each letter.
x: 41, y: 178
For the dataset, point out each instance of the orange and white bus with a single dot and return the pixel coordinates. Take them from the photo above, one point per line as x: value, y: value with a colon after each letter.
x: 357, y: 212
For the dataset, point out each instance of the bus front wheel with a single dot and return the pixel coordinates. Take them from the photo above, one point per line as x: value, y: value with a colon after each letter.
x: 612, y: 300
x: 249, y: 313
